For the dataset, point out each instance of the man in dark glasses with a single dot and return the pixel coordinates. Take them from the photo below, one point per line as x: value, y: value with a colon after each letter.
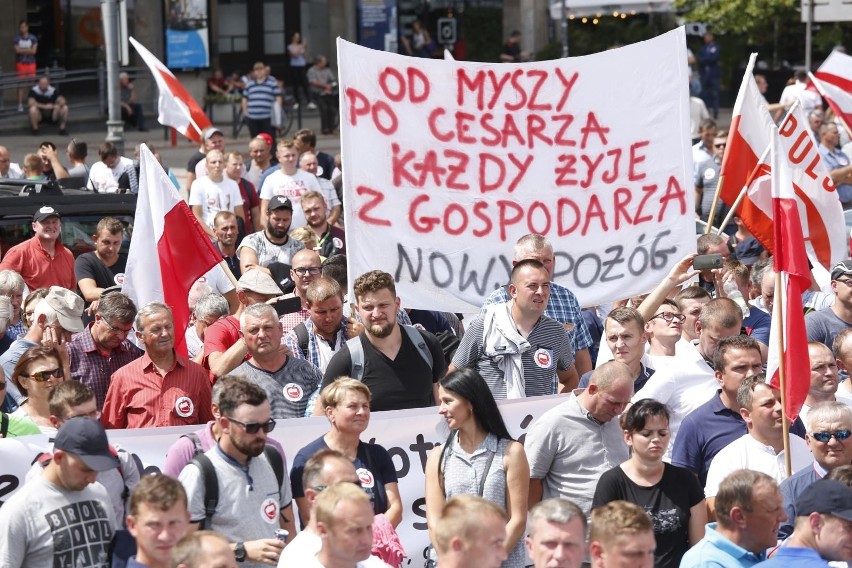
x: 830, y: 439
x: 252, y: 502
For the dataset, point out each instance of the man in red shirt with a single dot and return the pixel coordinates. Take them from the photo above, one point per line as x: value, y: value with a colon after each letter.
x: 43, y: 261
x: 161, y: 388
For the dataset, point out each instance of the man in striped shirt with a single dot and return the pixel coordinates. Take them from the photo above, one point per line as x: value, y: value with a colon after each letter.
x: 258, y: 97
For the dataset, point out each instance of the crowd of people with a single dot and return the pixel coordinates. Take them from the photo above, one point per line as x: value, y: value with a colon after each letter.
x: 666, y: 448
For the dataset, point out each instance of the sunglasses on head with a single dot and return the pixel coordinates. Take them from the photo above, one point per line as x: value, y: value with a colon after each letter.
x: 838, y: 435
x: 254, y: 427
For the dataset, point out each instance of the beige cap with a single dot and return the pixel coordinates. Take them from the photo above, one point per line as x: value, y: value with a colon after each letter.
x: 68, y: 307
x: 260, y: 282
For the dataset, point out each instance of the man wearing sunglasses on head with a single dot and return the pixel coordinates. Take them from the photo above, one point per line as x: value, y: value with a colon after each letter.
x: 252, y: 502
x: 829, y: 438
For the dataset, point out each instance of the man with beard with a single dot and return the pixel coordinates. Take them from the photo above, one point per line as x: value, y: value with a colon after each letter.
x: 400, y: 364
x: 331, y: 239
x: 273, y: 243
x: 252, y: 502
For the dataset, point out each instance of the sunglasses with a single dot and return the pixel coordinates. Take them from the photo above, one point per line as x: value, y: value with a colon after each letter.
x: 254, y: 427
x: 321, y: 488
x: 670, y: 317
x: 44, y: 376
x: 838, y: 435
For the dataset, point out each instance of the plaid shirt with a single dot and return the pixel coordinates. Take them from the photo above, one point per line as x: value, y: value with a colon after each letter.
x: 292, y: 341
x: 15, y: 330
x: 93, y: 369
x: 289, y: 321
x: 562, y: 306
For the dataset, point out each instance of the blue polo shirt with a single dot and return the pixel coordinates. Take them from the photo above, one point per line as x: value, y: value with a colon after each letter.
x: 716, y: 551
x: 708, y: 429
x: 794, y: 557
x: 791, y: 488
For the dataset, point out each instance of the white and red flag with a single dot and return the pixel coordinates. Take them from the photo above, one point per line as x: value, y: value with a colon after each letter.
x: 834, y: 81
x: 788, y: 340
x: 176, y: 106
x: 747, y: 142
x: 169, y: 250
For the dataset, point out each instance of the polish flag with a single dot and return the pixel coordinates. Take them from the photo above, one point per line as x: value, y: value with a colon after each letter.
x: 822, y: 221
x: 788, y: 339
x: 169, y: 250
x: 747, y: 142
x: 834, y: 81
x: 176, y: 106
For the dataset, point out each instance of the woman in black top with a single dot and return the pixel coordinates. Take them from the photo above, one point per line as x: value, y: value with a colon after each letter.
x: 671, y: 495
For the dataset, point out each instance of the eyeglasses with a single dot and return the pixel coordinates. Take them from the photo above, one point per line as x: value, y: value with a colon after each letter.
x: 44, y: 376
x: 846, y: 281
x: 671, y: 316
x: 838, y: 435
x: 94, y: 415
x: 117, y: 330
x: 722, y: 145
x: 254, y: 427
x: 321, y: 488
x: 312, y: 270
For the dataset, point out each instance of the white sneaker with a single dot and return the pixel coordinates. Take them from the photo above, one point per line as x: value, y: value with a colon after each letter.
x: 312, y: 106
x: 295, y: 106
x: 20, y: 108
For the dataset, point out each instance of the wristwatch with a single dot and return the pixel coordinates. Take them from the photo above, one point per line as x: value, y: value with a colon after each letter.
x: 240, y: 552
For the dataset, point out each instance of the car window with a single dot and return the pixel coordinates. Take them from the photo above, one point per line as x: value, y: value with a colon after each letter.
x: 77, y: 231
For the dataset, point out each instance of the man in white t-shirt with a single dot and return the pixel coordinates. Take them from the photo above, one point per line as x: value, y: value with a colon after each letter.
x: 289, y: 181
x: 324, y: 469
x: 104, y: 176
x: 215, y: 193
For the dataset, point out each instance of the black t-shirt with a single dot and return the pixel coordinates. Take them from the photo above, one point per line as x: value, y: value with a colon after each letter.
x: 398, y: 384
x: 88, y: 265
x: 193, y: 161
x: 667, y: 503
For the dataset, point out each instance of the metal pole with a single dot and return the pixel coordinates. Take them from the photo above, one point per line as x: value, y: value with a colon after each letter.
x: 808, y: 31
x: 114, y: 124
x: 564, y: 28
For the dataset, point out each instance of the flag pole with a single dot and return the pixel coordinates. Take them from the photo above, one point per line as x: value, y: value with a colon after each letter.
x: 782, y: 373
x: 228, y: 273
x: 712, y: 214
x: 742, y: 193
x: 818, y: 86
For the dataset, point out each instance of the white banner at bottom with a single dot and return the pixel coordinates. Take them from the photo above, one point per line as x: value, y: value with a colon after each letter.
x: 408, y: 435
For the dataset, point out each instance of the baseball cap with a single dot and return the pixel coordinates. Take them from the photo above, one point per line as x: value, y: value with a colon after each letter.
x: 841, y: 269
x: 211, y: 130
x: 45, y: 212
x: 826, y: 496
x: 748, y: 252
x: 259, y: 282
x: 68, y: 307
x: 266, y: 138
x: 87, y: 439
x: 279, y: 202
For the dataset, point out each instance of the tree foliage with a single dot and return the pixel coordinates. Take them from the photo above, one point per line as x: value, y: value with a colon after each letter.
x: 753, y: 19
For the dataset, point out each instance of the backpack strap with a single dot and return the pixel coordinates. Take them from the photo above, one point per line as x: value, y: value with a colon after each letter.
x: 196, y: 442
x: 4, y: 424
x: 276, y: 461
x: 356, y: 353
x: 211, y: 488
x: 301, y: 332
x: 417, y: 339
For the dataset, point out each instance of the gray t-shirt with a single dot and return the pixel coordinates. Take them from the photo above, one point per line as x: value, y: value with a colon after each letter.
x: 289, y: 388
x: 267, y: 251
x: 551, y: 349
x: 45, y: 525
x: 824, y: 325
x: 250, y: 502
x: 569, y: 450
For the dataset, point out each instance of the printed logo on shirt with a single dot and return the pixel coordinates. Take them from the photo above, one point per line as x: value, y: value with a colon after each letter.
x: 269, y: 510
x: 709, y: 173
x: 543, y: 358
x: 337, y: 242
x: 211, y: 201
x: 203, y: 279
x: 366, y: 477
x: 293, y: 392
x: 184, y: 407
x: 81, y: 534
x: 118, y: 279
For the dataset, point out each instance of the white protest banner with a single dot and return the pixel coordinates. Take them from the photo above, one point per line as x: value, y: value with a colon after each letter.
x: 408, y: 435
x: 448, y: 163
